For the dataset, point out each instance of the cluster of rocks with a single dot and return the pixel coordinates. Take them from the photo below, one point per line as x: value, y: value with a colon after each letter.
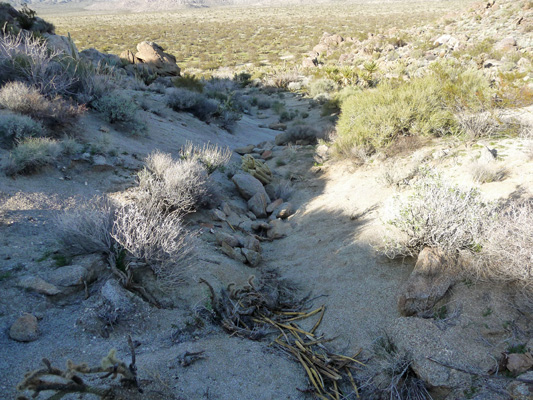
x: 262, y: 219
x: 503, y: 25
x: 149, y: 60
x: 56, y: 283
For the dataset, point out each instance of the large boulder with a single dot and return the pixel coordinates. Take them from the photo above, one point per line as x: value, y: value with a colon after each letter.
x: 98, y: 58
x: 151, y: 53
x: 62, y: 44
x: 431, y: 278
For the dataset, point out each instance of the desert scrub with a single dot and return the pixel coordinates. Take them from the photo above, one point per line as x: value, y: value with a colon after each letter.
x: 116, y: 107
x: 127, y: 234
x: 172, y: 185
x: 197, y: 104
x: 31, y: 154
x: 24, y: 99
x: 507, y: 253
x: 422, y: 107
x: 438, y: 214
x: 210, y: 155
x: 15, y: 128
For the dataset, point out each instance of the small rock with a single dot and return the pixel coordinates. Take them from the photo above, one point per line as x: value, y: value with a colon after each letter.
x: 71, y: 275
x: 278, y: 229
x: 247, y: 185
x: 521, y: 390
x: 251, y: 215
x: 267, y: 155
x: 284, y: 211
x: 217, y: 215
x: 322, y: 152
x: 275, y: 204
x: 253, y: 257
x: 223, y: 237
x: 118, y: 297
x: 25, y: 329
x: 251, y: 243
x: 235, y: 254
x: 244, y: 150
x: 258, y: 204
x: 38, y: 285
x: 519, y: 363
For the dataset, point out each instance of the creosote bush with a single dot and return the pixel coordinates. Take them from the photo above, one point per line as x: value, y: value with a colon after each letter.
x: 424, y: 106
x: 438, y: 214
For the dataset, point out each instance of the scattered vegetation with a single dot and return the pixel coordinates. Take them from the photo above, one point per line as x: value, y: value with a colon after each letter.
x: 424, y: 106
x: 15, y: 128
x: 172, y: 185
x: 31, y: 154
x: 438, y: 214
x: 117, y: 108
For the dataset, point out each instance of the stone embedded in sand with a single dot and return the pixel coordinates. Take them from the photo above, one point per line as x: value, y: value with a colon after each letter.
x: 244, y: 150
x: 433, y: 275
x: 152, y: 54
x: 248, y: 186
x: 258, y: 204
x: 25, y: 329
x: 275, y: 204
x: 117, y: 297
x: 253, y: 257
x: 223, y: 237
x: 71, y: 275
x: 521, y: 390
x: 235, y: 254
x: 36, y: 284
x: 285, y: 210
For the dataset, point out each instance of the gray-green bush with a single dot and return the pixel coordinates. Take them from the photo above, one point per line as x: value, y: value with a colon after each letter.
x: 15, y: 128
x: 438, y: 214
x: 116, y: 107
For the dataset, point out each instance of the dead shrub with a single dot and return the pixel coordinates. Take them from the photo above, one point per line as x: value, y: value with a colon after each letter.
x: 507, y: 248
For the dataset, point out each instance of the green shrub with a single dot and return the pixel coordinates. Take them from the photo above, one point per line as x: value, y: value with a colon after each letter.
x: 18, y: 127
x: 189, y: 82
x: 422, y: 107
x: 31, y: 154
x: 116, y: 108
x: 322, y: 87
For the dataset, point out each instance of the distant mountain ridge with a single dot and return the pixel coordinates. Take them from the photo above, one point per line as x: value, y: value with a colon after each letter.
x: 161, y: 5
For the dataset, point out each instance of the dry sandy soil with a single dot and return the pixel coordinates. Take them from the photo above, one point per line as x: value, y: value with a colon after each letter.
x: 328, y: 252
